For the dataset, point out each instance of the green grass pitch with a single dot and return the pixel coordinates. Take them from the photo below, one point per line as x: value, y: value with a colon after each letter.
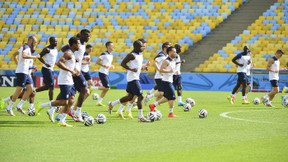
x: 259, y: 134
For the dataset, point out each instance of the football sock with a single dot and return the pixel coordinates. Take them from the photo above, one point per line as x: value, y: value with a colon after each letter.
x: 171, y: 110
x: 20, y: 104
x: 48, y: 104
x: 129, y: 106
x: 95, y: 88
x: 121, y: 108
x: 115, y: 102
x: 100, y: 100
x: 10, y: 105
x: 7, y: 99
x: 140, y: 113
x: 179, y: 99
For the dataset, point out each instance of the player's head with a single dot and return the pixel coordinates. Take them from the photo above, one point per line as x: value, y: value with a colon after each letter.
x: 53, y: 41
x: 165, y: 46
x: 279, y: 53
x: 171, y: 51
x: 32, y: 41
x: 143, y: 41
x: 85, y: 35
x: 138, y: 46
x: 178, y: 48
x: 246, y: 49
x: 74, y: 43
x: 110, y: 46
x: 88, y: 48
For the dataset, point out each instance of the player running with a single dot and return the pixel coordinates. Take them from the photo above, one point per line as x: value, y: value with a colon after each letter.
x: 177, y: 79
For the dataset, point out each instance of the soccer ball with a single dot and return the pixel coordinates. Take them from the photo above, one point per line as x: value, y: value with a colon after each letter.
x: 285, y: 101
x: 84, y: 115
x: 57, y: 109
x: 31, y: 111
x: 256, y: 101
x: 152, y: 116
x: 95, y: 96
x: 100, y: 119
x: 158, y: 114
x: 202, y: 113
x: 187, y: 107
x: 89, y: 121
x: 190, y: 101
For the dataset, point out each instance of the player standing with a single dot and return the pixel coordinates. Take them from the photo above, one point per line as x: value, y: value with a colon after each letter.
x: 86, y: 61
x: 177, y: 79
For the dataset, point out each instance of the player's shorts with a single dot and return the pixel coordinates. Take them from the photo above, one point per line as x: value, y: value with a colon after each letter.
x: 177, y: 79
x: 86, y: 75
x: 48, y: 77
x: 79, y: 82
x: 159, y: 85
x: 248, y: 80
x: 134, y: 88
x: 274, y: 83
x: 23, y: 79
x: 242, y: 77
x: 66, y: 91
x: 105, y: 80
x: 169, y: 91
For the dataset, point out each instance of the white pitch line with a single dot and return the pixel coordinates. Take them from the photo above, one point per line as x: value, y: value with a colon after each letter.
x: 224, y: 114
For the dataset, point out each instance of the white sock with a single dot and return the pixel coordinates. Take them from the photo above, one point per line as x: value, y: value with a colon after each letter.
x: 243, y: 97
x: 151, y: 91
x: 266, y: 96
x: 179, y: 99
x: 121, y: 108
x: 100, y: 100
x: 7, y: 99
x: 115, y: 102
x: 31, y: 105
x: 129, y: 107
x: 150, y: 96
x: 232, y: 95
x: 170, y: 110
x: 52, y: 108
x: 47, y: 104
x: 10, y: 106
x: 155, y: 103
x: 20, y: 104
x: 95, y: 88
x: 63, y: 118
x: 78, y: 111
x: 140, y: 113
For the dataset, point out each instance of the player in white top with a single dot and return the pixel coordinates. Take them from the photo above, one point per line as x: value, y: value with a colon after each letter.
x: 273, y: 66
x: 22, y: 74
x: 135, y: 61
x: 105, y: 61
x: 168, y: 70
x: 244, y: 60
x: 86, y: 61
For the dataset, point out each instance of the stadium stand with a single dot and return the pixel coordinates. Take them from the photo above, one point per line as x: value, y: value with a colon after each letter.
x: 267, y: 34
x: 119, y: 21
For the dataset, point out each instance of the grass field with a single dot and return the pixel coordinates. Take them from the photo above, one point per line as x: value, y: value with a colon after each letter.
x: 259, y: 134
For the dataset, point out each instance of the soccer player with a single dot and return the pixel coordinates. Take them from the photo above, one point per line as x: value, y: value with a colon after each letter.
x: 244, y: 60
x: 158, y: 77
x: 273, y: 66
x: 50, y: 54
x: 168, y: 69
x: 135, y: 60
x: 79, y: 80
x: 105, y: 61
x: 66, y: 97
x: 85, y: 65
x: 177, y: 79
x: 22, y: 74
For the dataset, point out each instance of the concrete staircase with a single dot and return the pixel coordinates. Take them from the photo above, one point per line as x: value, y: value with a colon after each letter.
x: 224, y: 33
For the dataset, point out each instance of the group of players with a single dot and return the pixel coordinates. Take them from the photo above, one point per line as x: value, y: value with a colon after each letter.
x: 244, y: 63
x: 74, y: 76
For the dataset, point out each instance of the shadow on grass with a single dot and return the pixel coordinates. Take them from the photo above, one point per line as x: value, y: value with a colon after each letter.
x: 23, y: 123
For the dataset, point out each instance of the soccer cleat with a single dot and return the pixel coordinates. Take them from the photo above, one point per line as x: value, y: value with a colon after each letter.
x: 152, y: 107
x: 129, y: 114
x: 90, y: 89
x: 10, y: 112
x: 110, y: 108
x: 71, y: 113
x: 64, y: 125
x: 268, y: 105
x: 231, y: 99
x: 2, y: 103
x: 120, y: 115
x: 100, y: 104
x: 144, y: 120
x: 50, y: 114
x: 20, y: 110
x: 171, y: 115
x: 181, y: 104
x: 78, y: 117
x: 146, y: 99
x: 245, y: 101
x: 57, y: 117
x: 38, y: 108
x: 284, y: 90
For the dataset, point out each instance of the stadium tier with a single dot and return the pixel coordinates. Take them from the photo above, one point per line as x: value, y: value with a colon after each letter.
x: 266, y: 35
x: 120, y: 21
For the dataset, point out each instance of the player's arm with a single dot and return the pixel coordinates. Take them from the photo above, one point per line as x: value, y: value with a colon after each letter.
x: 15, y: 56
x: 234, y: 60
x: 99, y: 62
x: 163, y: 68
x: 145, y: 66
x: 43, y: 53
x: 65, y: 48
x: 269, y: 64
x: 128, y: 58
x: 62, y: 61
x: 26, y: 56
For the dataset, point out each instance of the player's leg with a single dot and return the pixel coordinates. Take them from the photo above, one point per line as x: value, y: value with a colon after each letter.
x: 231, y: 98
x: 179, y: 90
x: 64, y: 111
x: 129, y: 106
x: 105, y: 87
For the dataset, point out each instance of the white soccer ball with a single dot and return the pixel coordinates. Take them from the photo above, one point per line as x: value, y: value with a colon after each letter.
x: 31, y: 111
x: 202, y: 113
x: 190, y: 101
x: 84, y: 115
x: 256, y: 101
x: 187, y: 107
x: 95, y: 96
x: 152, y: 116
x: 89, y: 121
x: 285, y: 101
x: 158, y: 114
x: 100, y: 119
